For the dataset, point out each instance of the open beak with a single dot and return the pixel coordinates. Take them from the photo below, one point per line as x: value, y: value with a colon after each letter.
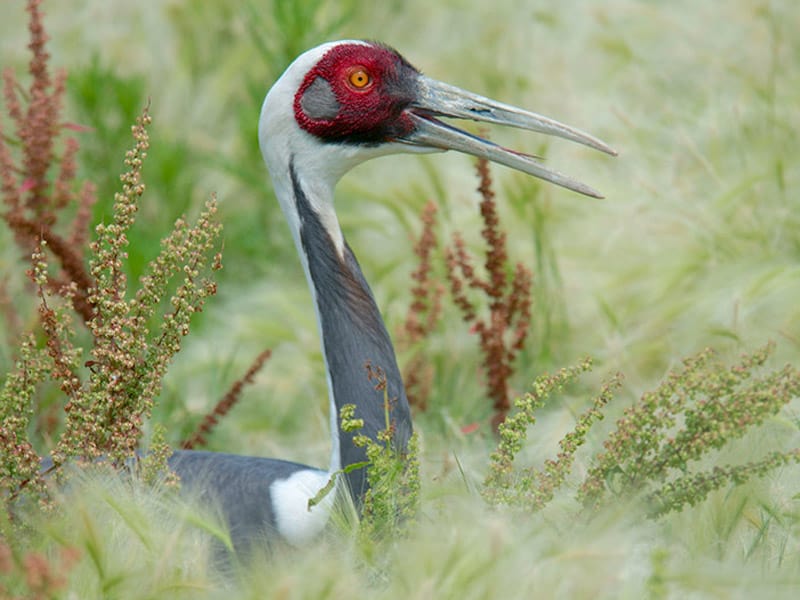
x: 437, y: 99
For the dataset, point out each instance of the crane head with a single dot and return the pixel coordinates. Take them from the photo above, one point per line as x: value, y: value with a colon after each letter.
x: 346, y: 102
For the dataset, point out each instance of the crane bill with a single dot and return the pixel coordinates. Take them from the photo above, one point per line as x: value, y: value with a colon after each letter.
x: 433, y: 133
x: 436, y: 99
x: 446, y: 100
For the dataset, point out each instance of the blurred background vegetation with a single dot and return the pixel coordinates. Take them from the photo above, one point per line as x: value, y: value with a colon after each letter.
x: 696, y: 244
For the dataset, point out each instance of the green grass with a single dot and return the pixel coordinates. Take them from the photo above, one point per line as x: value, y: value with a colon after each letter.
x: 696, y: 244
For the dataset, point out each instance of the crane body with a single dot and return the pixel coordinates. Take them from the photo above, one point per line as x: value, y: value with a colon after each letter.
x: 335, y: 107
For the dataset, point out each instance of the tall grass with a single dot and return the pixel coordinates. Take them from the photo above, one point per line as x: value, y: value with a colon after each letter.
x: 696, y: 245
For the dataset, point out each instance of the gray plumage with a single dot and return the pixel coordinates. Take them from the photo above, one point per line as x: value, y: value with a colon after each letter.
x: 237, y: 488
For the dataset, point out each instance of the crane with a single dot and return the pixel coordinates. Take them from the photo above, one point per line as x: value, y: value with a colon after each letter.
x: 336, y: 106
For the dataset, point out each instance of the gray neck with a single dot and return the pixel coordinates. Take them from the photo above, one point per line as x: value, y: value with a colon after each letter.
x: 353, y: 333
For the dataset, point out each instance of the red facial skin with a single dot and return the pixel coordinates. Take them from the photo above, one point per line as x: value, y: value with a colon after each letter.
x: 368, y: 115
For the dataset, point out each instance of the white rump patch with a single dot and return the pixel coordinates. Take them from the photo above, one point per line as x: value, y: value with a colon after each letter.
x: 295, y: 523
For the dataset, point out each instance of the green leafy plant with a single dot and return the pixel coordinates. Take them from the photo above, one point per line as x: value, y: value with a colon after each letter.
x: 658, y: 442
x: 531, y: 488
x: 109, y: 385
x: 393, y: 474
x: 698, y: 409
x: 392, y: 500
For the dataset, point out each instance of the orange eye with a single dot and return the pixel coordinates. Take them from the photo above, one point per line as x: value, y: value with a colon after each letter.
x: 359, y: 78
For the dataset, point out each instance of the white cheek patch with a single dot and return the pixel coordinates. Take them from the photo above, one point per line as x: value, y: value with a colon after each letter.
x: 295, y: 523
